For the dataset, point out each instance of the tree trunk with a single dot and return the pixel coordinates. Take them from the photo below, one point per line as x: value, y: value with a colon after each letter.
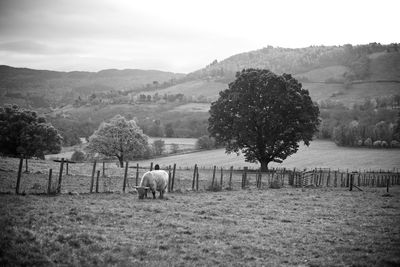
x: 264, y: 166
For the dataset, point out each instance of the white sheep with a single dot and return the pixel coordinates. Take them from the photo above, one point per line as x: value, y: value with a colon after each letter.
x: 156, y: 180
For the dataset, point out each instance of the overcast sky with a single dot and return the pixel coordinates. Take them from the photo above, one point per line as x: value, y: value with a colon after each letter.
x: 179, y: 35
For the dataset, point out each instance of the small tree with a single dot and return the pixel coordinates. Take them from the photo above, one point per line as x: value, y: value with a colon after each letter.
x: 119, y: 138
x: 205, y: 142
x: 23, y: 133
x: 78, y: 155
x: 264, y: 115
x: 159, y: 147
x: 169, y: 130
x: 174, y: 148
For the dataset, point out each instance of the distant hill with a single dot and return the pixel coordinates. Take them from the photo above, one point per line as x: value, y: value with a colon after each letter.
x: 361, y: 61
x: 19, y: 84
x: 347, y: 74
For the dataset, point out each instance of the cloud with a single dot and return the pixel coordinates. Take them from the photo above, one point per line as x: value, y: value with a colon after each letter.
x: 182, y: 35
x: 32, y: 47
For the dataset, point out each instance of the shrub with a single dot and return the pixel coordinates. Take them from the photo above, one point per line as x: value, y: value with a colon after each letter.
x: 205, y: 142
x: 377, y: 143
x: 395, y: 144
x: 159, y: 147
x: 368, y: 142
x: 78, y: 156
x: 174, y: 148
x: 384, y: 144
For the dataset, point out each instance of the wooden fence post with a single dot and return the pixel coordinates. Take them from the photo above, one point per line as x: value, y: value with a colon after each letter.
x: 97, y: 181
x: 387, y: 184
x: 197, y: 180
x: 169, y: 178
x: 351, y: 181
x: 258, y: 181
x: 328, y: 179
x: 151, y: 166
x: 230, y: 177
x: 21, y: 162
x: 137, y: 174
x: 60, y: 176
x: 213, y: 177
x: 126, y: 176
x: 26, y: 165
x: 173, y: 178
x: 222, y: 177
x: 194, y: 176
x: 49, y: 183
x: 93, y: 173
x: 104, y: 169
x: 244, y: 177
x: 67, y: 169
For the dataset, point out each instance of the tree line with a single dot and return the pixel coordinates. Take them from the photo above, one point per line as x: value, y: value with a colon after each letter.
x: 374, y: 123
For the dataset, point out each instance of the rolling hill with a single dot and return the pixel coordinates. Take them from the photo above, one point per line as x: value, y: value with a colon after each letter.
x: 78, y: 101
x: 348, y: 74
x: 24, y: 86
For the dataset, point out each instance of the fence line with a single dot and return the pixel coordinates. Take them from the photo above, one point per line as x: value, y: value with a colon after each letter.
x: 82, y: 178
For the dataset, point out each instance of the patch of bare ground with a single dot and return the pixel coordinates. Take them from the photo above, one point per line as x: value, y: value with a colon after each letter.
x: 274, y: 227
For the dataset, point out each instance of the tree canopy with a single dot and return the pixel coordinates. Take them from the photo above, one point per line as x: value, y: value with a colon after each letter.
x: 119, y: 138
x: 24, y: 134
x: 264, y: 116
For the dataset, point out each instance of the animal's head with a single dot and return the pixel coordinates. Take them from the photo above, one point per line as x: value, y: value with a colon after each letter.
x: 142, y: 191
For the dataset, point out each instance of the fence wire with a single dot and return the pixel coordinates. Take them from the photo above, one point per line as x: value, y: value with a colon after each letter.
x: 109, y: 177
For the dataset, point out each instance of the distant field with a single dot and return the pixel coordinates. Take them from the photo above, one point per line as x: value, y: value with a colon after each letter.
x: 195, y: 88
x: 323, y: 91
x: 179, y: 141
x: 320, y: 154
x: 322, y: 74
x: 193, y: 107
x: 357, y: 93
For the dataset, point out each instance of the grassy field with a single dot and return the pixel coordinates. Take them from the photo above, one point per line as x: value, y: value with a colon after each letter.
x: 274, y: 227
x: 320, y: 154
x: 195, y: 88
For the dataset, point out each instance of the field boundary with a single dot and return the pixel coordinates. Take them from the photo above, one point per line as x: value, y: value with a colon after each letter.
x: 63, y: 176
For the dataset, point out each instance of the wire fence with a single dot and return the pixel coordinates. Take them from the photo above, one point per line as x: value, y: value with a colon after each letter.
x: 63, y: 176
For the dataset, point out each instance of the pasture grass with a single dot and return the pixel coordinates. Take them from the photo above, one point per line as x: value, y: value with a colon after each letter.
x: 274, y: 227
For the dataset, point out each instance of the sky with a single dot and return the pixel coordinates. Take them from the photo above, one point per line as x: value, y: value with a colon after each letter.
x: 179, y: 35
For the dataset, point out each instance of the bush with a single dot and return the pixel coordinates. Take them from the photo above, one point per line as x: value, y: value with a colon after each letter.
x: 78, y: 156
x: 205, y: 142
x: 174, y: 148
x: 368, y: 142
x: 395, y: 144
x: 159, y: 147
x: 377, y: 143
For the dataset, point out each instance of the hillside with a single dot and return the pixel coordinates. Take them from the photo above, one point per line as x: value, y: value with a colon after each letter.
x: 40, y: 88
x: 77, y: 102
x: 348, y: 74
x: 362, y: 61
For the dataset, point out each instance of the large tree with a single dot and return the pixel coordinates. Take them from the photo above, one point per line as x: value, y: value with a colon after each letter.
x: 119, y: 138
x: 25, y: 134
x: 264, y: 116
